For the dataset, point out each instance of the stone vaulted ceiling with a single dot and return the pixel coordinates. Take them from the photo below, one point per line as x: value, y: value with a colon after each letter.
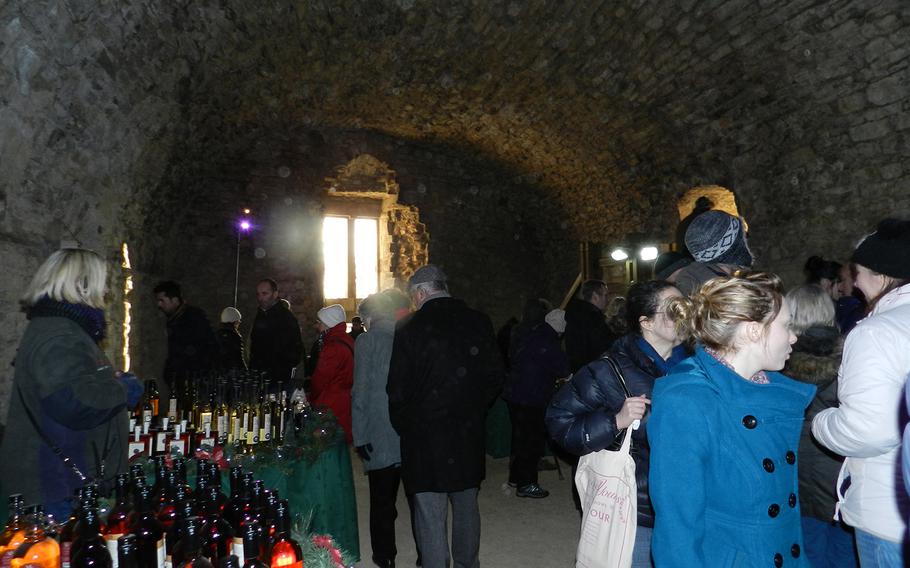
x: 614, y: 107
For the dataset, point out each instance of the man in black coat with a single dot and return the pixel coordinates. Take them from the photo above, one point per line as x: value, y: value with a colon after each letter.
x: 275, y: 343
x: 192, y: 349
x: 445, y: 370
x: 587, y: 333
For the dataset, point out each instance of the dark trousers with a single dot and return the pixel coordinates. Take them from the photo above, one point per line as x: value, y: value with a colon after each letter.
x: 383, y: 512
x: 529, y: 438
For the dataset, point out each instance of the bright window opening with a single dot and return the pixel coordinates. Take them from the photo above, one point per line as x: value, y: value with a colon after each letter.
x: 350, y: 251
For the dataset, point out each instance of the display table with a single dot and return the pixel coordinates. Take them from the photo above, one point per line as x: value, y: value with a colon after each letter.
x: 323, y: 492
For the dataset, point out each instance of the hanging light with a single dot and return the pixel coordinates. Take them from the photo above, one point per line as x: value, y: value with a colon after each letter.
x: 648, y: 253
x: 619, y: 254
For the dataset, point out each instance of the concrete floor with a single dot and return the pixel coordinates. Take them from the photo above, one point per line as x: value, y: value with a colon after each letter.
x: 515, y: 532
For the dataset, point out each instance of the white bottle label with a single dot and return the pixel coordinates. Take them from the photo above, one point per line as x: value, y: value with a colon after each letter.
x: 266, y: 434
x: 111, y: 542
x: 160, y: 546
x: 237, y: 549
x: 255, y: 429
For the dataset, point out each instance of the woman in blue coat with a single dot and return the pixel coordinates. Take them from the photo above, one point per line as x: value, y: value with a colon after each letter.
x: 724, y: 432
x: 591, y: 412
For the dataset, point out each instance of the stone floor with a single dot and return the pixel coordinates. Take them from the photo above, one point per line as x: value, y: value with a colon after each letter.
x: 515, y: 532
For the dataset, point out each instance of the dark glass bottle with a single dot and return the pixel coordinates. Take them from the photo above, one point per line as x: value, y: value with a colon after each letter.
x: 118, y: 519
x: 90, y: 549
x: 14, y: 532
x: 68, y: 530
x: 37, y: 549
x: 137, y: 476
x: 188, y: 552
x: 230, y: 561
x: 215, y: 480
x: 167, y: 510
x: 159, y: 489
x: 184, y: 509
x: 251, y: 536
x: 284, y: 551
x: 127, y: 550
x: 217, y: 534
x: 148, y: 531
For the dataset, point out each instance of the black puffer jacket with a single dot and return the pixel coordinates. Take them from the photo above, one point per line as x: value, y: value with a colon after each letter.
x: 582, y: 415
x: 815, y: 359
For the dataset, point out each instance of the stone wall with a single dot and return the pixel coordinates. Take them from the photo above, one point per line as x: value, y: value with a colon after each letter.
x: 513, y: 127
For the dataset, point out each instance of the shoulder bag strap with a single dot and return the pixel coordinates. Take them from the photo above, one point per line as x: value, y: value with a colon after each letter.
x: 618, y: 373
x: 54, y: 448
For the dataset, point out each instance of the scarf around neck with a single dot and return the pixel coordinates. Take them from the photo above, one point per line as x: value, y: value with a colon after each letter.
x: 90, y: 319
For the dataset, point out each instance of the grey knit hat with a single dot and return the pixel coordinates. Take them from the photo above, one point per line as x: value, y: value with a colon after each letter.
x: 718, y: 237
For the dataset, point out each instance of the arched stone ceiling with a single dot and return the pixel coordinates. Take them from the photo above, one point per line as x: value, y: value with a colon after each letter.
x: 614, y: 107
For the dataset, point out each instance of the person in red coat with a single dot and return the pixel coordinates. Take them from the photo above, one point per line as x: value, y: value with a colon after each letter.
x: 334, y: 375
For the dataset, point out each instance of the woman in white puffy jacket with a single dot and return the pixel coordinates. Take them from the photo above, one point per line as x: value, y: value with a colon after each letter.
x: 866, y: 426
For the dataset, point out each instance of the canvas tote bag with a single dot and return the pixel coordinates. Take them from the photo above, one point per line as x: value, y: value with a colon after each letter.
x: 609, y: 500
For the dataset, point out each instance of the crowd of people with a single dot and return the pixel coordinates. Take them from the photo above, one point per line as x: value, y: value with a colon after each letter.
x: 765, y: 425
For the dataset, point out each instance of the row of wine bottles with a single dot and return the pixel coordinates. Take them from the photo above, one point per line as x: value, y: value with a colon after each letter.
x: 237, y: 410
x: 163, y: 525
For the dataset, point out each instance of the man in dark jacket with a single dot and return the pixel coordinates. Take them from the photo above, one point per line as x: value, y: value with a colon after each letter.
x: 275, y: 343
x: 192, y: 349
x: 587, y: 333
x: 444, y: 371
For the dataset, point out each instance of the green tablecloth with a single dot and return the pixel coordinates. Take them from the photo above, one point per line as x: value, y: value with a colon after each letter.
x: 323, y: 492
x: 499, y: 430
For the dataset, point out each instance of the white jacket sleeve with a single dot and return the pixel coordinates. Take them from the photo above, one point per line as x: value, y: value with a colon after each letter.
x: 871, y: 377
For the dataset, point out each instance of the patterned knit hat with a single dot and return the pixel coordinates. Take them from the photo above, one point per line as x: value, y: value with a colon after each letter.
x: 718, y: 238
x: 887, y: 250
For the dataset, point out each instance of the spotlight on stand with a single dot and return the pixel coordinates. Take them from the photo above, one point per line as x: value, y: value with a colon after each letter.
x: 648, y: 253
x: 619, y: 254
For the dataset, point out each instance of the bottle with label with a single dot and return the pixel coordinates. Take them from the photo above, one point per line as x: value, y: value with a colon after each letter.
x: 118, y: 519
x: 241, y: 513
x: 251, y: 536
x: 37, y: 549
x: 126, y: 552
x: 167, y: 511
x: 68, y: 530
x: 14, y: 532
x: 189, y: 549
x: 216, y: 532
x: 90, y: 549
x: 284, y: 551
x: 148, y: 411
x: 148, y: 531
x: 154, y: 398
x: 215, y: 480
x: 185, y: 509
x: 172, y: 406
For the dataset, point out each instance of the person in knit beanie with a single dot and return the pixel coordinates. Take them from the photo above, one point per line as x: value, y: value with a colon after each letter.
x: 333, y: 377
x: 717, y: 242
x: 865, y: 427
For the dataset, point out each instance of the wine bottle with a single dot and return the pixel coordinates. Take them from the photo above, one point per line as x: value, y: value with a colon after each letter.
x: 118, y: 519
x: 217, y: 534
x: 230, y: 561
x: 185, y: 509
x: 167, y: 510
x: 284, y: 551
x: 90, y: 549
x: 148, y: 531
x: 127, y: 550
x: 241, y: 514
x: 148, y: 411
x: 189, y: 549
x: 37, y: 549
x: 153, y: 396
x: 251, y: 536
x: 14, y: 532
x: 68, y: 530
x: 215, y: 480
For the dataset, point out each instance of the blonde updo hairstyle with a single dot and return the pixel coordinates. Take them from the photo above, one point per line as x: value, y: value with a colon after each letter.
x: 73, y: 275
x: 712, y: 314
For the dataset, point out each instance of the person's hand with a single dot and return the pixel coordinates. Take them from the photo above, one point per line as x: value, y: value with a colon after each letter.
x: 364, y: 451
x: 134, y: 387
x: 632, y: 409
